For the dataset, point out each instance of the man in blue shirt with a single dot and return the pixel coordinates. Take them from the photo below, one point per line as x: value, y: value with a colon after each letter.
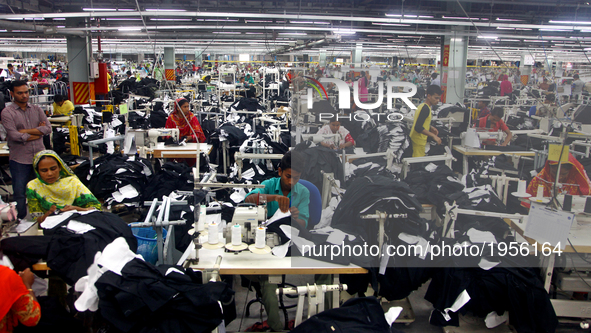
x: 284, y: 193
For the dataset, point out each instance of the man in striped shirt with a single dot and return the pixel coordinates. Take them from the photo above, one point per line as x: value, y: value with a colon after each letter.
x: 25, y: 125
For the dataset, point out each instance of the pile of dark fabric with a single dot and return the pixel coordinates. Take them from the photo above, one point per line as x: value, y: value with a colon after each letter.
x: 434, y: 187
x: 317, y: 160
x: 516, y: 290
x: 248, y: 104
x: 379, y: 139
x: 68, y: 253
x: 146, y: 87
x: 171, y: 176
x: 112, y: 172
x: 521, y: 121
x: 145, y: 299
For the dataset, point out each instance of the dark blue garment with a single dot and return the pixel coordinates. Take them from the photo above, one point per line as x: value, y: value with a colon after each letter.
x: 21, y: 175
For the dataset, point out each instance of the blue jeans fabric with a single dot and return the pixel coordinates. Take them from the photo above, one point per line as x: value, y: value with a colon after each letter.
x: 21, y: 174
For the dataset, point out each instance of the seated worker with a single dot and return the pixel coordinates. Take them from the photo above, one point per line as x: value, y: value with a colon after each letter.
x: 334, y: 127
x: 421, y: 127
x: 56, y: 187
x: 494, y: 122
x: 284, y: 193
x: 484, y: 110
x: 249, y: 79
x: 573, y: 179
x: 18, y: 302
x: 547, y: 109
x: 544, y: 86
x: 183, y: 119
x: 62, y: 106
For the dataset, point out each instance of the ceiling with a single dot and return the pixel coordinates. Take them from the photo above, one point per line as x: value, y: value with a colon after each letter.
x: 497, y: 30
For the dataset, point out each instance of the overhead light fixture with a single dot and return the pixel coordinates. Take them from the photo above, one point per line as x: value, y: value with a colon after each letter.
x: 169, y: 19
x: 425, y: 16
x: 126, y: 9
x: 99, y: 9
x: 505, y: 28
x: 536, y: 41
x: 227, y: 32
x: 510, y: 40
x: 392, y: 24
x: 343, y: 31
x: 508, y: 20
x: 294, y: 33
x: 254, y: 33
x: 61, y: 26
x: 570, y: 22
x: 258, y: 21
x: 129, y: 29
x: 547, y: 29
x: 27, y: 19
x: 393, y: 15
x: 221, y: 20
x: 488, y: 37
x: 165, y: 10
x: 123, y: 19
x: 59, y: 18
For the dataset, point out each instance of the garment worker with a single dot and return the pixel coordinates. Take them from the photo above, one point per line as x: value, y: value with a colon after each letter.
x: 334, y: 127
x: 183, y: 119
x: 18, y: 303
x: 421, y: 128
x: 493, y: 123
x: 25, y: 125
x: 572, y: 180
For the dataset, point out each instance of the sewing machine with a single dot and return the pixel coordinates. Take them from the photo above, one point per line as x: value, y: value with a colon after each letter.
x: 249, y: 217
x: 317, y: 138
x: 473, y: 138
x: 154, y: 133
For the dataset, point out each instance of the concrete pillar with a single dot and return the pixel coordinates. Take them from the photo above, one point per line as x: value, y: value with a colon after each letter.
x: 322, y: 59
x: 454, y: 58
x: 119, y: 56
x: 525, y: 67
x: 357, y: 54
x: 140, y: 57
x: 198, y: 57
x: 169, y: 64
x: 79, y: 51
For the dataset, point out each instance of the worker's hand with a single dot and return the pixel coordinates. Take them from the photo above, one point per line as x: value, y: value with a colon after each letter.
x: 503, y: 144
x: 188, y: 138
x: 295, y: 212
x: 28, y: 277
x: 283, y: 203
x: 342, y: 146
x: 437, y: 139
x: 434, y: 130
x: 68, y: 208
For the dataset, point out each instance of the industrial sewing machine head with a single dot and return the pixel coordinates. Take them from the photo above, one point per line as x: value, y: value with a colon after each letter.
x: 154, y: 133
x: 473, y: 138
x: 249, y: 216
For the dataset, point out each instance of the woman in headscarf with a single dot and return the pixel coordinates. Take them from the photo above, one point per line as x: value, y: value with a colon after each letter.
x: 18, y: 302
x: 362, y: 84
x: 56, y: 187
x: 186, y: 122
x: 573, y: 179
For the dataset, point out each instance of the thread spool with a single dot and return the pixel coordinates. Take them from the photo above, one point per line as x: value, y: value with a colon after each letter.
x: 213, y: 236
x: 568, y: 203
x: 540, y: 193
x: 588, y: 205
x: 260, y: 238
x: 236, y: 234
x: 522, y: 187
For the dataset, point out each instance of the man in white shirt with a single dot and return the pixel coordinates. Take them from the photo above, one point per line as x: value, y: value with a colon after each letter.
x: 577, y: 87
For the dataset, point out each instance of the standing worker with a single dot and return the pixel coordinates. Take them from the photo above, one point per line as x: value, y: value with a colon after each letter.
x: 25, y: 124
x: 421, y: 127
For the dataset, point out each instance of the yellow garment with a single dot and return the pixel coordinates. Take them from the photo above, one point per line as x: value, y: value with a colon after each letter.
x: 65, y: 110
x: 108, y: 82
x: 419, y: 140
x: 67, y: 190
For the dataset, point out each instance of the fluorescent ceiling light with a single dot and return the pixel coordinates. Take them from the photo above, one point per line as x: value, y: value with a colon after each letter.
x: 504, y: 28
x: 294, y: 33
x: 425, y: 16
x: 61, y: 26
x: 570, y: 22
x: 510, y: 40
x: 59, y: 18
x: 308, y: 22
x: 22, y: 30
x: 546, y: 29
x: 393, y: 15
x: 221, y: 20
x: 27, y: 19
x: 343, y: 31
x: 123, y: 19
x: 254, y: 33
x: 508, y: 20
x: 165, y: 10
x: 129, y: 29
x: 99, y: 9
x: 3, y: 30
x: 488, y: 37
x: 169, y: 19
x: 392, y: 24
x: 126, y: 9
x: 537, y: 41
x: 227, y: 32
x: 258, y: 21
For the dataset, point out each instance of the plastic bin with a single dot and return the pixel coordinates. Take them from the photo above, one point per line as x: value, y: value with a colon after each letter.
x: 147, y: 243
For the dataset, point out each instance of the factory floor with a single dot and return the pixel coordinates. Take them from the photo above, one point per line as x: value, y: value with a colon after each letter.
x: 421, y: 308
